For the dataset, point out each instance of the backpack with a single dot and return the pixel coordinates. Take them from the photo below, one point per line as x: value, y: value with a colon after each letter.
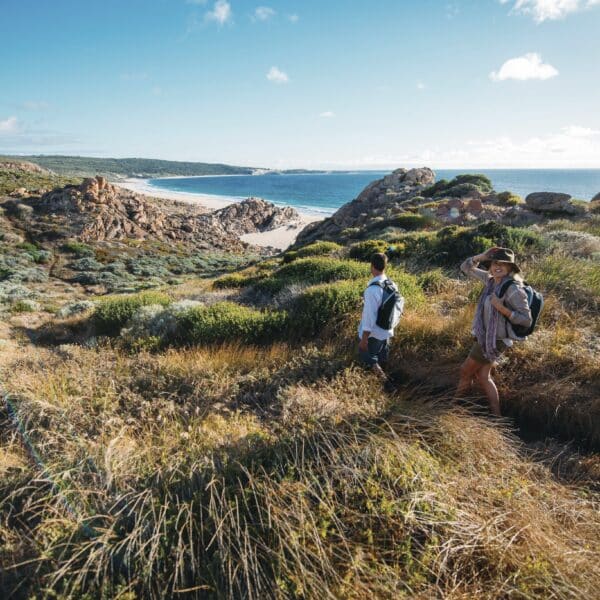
x: 535, y: 300
x: 392, y: 305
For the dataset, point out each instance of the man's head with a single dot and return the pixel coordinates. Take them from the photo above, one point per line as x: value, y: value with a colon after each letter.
x: 378, y: 263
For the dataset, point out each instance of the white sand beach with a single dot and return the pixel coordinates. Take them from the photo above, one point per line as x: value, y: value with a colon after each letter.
x: 279, y: 238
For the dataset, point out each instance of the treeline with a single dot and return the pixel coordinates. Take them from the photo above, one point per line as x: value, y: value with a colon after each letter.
x: 84, y: 166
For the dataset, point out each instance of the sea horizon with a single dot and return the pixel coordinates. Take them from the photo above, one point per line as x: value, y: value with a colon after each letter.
x: 323, y: 192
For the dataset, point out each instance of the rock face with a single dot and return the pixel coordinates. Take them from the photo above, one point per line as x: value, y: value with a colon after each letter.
x: 252, y: 216
x: 379, y: 198
x: 552, y: 202
x: 99, y: 211
x: 596, y: 198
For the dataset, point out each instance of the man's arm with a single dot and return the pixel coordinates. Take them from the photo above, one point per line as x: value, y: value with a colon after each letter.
x: 369, y: 316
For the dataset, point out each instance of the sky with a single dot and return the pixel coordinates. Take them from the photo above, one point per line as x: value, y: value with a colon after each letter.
x: 335, y: 84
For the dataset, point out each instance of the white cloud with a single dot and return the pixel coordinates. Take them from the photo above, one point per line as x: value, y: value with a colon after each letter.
x: 221, y: 12
x: 328, y: 114
x: 8, y: 126
x: 295, y: 18
x: 522, y: 68
x: 277, y: 76
x: 420, y: 85
x: 549, y: 10
x: 263, y: 13
x: 580, y: 132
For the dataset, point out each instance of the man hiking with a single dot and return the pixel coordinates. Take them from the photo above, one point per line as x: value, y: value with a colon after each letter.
x: 383, y: 305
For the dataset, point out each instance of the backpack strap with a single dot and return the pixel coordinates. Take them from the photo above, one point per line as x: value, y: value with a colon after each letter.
x: 382, y: 284
x: 505, y: 287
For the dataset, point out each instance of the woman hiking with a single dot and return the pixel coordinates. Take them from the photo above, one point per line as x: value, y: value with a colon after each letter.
x: 492, y: 325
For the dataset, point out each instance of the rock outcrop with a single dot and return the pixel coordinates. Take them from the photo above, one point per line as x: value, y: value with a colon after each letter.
x: 99, y: 211
x: 252, y: 215
x: 552, y: 202
x: 383, y: 197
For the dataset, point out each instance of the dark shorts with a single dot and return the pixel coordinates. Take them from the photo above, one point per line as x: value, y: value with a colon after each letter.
x: 377, y: 352
x: 476, y: 352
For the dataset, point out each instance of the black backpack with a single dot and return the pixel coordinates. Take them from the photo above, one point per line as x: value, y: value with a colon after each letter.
x: 536, y: 304
x: 392, y: 305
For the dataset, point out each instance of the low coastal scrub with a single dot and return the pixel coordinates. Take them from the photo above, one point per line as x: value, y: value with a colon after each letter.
x: 452, y: 244
x: 461, y: 185
x: 364, y: 250
x: 509, y: 199
x: 229, y: 322
x: 112, y: 313
x: 318, y: 248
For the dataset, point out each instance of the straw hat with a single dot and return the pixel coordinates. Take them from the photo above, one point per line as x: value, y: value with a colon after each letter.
x: 503, y: 255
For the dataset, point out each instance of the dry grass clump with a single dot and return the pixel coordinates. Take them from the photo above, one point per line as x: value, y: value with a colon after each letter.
x: 236, y: 472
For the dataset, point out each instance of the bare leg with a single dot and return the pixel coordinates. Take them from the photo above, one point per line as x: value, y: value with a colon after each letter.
x: 468, y: 370
x: 484, y: 377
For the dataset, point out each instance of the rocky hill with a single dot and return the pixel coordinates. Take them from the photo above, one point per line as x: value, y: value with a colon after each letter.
x: 410, y: 198
x: 96, y: 210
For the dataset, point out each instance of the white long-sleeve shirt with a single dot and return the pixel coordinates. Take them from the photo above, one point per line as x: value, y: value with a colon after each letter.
x: 373, y: 298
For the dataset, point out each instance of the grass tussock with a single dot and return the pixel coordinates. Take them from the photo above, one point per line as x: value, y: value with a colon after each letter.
x: 161, y: 475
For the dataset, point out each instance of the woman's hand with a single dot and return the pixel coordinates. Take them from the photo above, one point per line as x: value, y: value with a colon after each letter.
x: 497, y: 303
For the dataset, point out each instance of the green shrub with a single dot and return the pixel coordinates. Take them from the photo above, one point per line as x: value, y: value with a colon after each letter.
x: 318, y: 248
x: 509, y: 199
x: 112, y: 313
x: 311, y: 271
x: 411, y: 222
x: 434, y: 281
x: 233, y: 280
x: 77, y: 248
x: 364, y: 250
x: 227, y: 321
x: 461, y: 185
x: 324, y: 304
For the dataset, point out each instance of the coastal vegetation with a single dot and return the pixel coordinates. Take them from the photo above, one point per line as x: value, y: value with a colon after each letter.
x: 85, y: 166
x: 213, y: 437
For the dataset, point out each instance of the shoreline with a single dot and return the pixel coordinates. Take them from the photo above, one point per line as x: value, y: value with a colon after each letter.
x: 280, y: 238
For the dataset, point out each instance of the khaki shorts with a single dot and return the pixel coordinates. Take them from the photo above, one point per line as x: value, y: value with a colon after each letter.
x: 476, y: 352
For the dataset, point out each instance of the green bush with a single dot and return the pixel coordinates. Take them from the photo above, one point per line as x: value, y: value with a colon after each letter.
x: 434, y: 281
x: 227, y: 321
x: 460, y: 186
x: 509, y: 199
x: 310, y: 271
x: 78, y: 248
x: 318, y: 248
x: 234, y: 280
x: 411, y: 222
x: 408, y: 285
x: 324, y: 304
x: 113, y: 312
x: 364, y: 250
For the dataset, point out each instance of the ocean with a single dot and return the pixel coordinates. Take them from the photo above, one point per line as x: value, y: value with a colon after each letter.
x: 324, y: 193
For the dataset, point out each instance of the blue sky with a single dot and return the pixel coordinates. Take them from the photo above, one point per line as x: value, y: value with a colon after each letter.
x: 317, y: 84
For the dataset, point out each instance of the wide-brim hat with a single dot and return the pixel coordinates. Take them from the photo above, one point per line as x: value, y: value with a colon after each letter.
x: 504, y: 255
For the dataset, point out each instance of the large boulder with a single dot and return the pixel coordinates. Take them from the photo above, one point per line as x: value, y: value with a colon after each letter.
x: 253, y: 215
x: 381, y: 198
x: 552, y: 202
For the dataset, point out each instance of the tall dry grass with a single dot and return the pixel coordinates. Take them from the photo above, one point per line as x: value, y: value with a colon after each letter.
x: 271, y: 473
